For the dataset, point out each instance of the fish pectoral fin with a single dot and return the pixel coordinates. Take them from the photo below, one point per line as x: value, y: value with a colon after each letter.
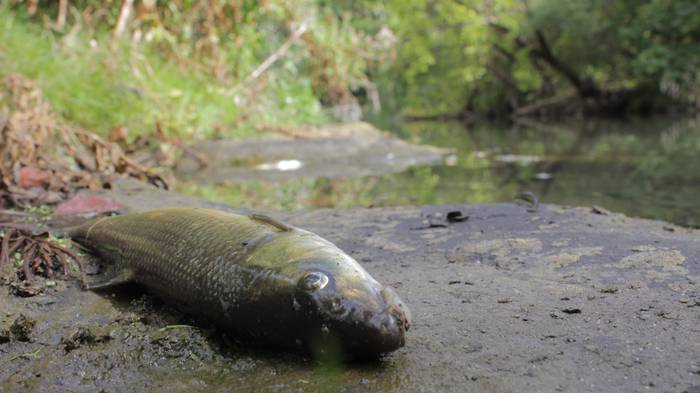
x: 270, y: 222
x: 108, y: 279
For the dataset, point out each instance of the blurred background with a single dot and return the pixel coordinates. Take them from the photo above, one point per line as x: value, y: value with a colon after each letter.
x: 581, y: 102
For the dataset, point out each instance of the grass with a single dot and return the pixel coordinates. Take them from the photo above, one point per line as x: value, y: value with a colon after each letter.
x: 99, y: 87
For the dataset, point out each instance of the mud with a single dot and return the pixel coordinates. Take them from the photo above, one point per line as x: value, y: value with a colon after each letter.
x: 561, y: 299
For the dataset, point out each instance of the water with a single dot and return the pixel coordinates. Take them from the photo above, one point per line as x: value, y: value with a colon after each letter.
x: 642, y: 167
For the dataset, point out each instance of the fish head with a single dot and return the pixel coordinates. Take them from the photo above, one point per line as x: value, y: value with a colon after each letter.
x: 347, y: 308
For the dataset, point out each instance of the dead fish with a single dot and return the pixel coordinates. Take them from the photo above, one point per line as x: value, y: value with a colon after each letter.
x: 256, y: 278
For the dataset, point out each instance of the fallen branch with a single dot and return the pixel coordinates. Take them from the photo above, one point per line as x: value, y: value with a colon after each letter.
x: 545, y: 103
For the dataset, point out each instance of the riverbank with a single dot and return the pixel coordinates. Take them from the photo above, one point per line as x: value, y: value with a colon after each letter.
x: 510, y: 299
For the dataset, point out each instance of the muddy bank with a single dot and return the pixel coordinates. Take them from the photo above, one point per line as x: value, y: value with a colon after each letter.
x: 562, y: 299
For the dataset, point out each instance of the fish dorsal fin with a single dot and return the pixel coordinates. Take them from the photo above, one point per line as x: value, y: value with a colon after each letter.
x: 270, y: 221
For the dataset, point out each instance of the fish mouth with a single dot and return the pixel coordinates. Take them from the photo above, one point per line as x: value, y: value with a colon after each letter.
x: 362, y: 328
x: 380, y: 332
x: 391, y: 324
x: 383, y: 333
x: 396, y: 307
x: 389, y: 333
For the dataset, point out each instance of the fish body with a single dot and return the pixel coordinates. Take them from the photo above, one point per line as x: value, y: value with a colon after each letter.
x: 254, y: 277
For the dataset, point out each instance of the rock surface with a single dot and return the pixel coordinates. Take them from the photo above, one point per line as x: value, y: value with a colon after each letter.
x: 508, y: 300
x: 352, y: 150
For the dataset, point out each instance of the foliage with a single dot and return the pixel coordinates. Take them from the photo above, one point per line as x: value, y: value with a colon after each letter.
x: 665, y: 37
x: 192, y: 66
x: 492, y: 57
x: 185, y: 66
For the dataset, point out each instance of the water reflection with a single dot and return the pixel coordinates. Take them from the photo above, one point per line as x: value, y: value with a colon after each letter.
x: 281, y: 165
x: 642, y: 167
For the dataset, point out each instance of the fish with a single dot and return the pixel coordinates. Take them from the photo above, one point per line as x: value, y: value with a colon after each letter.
x: 257, y: 279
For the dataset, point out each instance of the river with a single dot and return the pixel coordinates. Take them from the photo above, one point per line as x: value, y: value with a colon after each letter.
x: 643, y: 167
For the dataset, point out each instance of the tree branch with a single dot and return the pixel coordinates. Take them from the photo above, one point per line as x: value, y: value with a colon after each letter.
x: 123, y: 17
x: 62, y: 11
x: 276, y: 54
x: 585, y: 87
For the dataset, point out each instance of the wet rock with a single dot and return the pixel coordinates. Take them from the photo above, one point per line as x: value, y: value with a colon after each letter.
x: 369, y: 152
x: 22, y: 328
x: 462, y: 338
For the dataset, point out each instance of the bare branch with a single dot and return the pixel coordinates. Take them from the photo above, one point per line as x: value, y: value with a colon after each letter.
x: 584, y: 86
x: 123, y: 18
x: 276, y: 55
x: 62, y: 11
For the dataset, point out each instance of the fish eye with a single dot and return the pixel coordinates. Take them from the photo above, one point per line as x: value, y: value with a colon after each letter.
x: 314, y: 281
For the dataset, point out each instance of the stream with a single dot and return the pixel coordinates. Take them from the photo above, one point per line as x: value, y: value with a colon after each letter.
x: 643, y: 167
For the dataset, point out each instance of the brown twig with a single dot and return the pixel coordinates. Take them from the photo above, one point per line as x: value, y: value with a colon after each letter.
x: 28, y: 258
x: 64, y: 263
x: 4, y: 252
x: 203, y: 162
x: 45, y: 253
x: 71, y: 254
x: 39, y: 254
x: 15, y: 246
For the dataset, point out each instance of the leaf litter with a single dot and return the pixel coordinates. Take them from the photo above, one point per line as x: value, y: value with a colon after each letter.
x: 44, y: 161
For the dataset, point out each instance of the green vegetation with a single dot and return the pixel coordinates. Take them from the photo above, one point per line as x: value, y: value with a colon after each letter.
x: 188, y: 69
x: 203, y: 68
x: 101, y: 83
x: 540, y: 56
x: 43, y: 211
